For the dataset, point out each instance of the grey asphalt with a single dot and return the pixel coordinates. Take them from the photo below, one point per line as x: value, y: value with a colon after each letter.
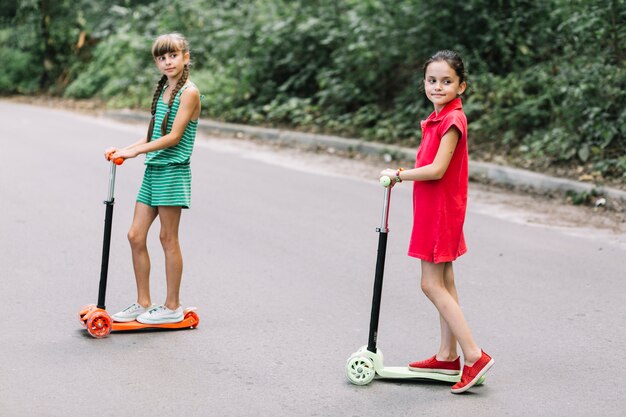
x: 280, y: 264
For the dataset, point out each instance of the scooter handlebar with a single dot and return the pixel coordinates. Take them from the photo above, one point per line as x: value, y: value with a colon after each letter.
x: 385, y: 181
x: 116, y: 161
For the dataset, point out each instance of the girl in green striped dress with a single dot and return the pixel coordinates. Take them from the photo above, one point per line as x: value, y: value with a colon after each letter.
x: 166, y: 186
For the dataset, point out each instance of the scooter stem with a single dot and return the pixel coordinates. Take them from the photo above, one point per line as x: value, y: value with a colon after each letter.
x: 384, y: 220
x: 383, y: 231
x: 111, y: 182
x: 106, y: 241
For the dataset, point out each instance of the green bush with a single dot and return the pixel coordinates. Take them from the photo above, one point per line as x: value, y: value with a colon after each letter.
x: 19, y: 74
x: 547, y: 79
x: 122, y: 71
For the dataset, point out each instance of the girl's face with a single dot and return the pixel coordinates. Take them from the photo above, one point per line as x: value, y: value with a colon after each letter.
x: 442, y: 84
x: 172, y: 63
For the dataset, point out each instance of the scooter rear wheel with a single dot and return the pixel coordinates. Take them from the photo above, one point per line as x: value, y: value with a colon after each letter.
x: 360, y: 370
x: 99, y: 324
x: 193, y: 316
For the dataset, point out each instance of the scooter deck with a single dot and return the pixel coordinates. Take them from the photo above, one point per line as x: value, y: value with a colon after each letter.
x: 402, y: 372
x: 188, y: 321
x: 99, y: 324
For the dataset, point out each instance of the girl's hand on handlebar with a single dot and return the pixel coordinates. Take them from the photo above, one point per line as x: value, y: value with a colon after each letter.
x: 109, y: 152
x: 391, y: 173
x: 123, y: 153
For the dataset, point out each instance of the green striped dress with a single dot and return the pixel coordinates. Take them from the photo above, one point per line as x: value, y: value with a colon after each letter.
x: 167, y: 178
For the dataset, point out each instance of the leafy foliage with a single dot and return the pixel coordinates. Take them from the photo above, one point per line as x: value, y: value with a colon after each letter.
x: 547, y: 78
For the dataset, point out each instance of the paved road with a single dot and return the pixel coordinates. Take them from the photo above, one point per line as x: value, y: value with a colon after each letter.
x: 280, y: 264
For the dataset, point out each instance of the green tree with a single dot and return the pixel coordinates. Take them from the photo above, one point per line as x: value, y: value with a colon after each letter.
x: 547, y: 79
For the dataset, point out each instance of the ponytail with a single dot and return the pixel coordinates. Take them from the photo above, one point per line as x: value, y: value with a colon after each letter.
x: 155, y: 100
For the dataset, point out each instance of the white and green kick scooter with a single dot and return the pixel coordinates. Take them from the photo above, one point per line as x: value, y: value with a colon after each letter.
x: 367, y: 362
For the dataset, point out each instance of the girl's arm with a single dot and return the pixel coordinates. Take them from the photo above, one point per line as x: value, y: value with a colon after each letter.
x: 139, y: 142
x: 188, y: 108
x: 108, y: 154
x: 438, y: 167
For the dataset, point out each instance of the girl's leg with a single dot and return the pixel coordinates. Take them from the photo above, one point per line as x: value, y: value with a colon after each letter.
x: 137, y: 236
x: 447, y: 349
x: 170, y: 220
x: 434, y: 286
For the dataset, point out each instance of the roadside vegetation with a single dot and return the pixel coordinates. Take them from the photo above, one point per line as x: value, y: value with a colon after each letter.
x: 547, y: 78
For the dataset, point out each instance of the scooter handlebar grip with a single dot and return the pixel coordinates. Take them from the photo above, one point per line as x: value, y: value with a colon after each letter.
x: 116, y: 161
x: 385, y: 181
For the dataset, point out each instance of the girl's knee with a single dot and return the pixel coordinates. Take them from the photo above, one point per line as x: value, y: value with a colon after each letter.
x: 426, y: 288
x: 169, y: 241
x: 448, y: 275
x: 136, y: 240
x: 432, y: 282
x: 431, y: 288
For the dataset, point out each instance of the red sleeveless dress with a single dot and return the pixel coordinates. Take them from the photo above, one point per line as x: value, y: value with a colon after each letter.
x: 439, y: 206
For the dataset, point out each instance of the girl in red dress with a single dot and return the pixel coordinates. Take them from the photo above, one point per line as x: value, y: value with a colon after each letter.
x: 440, y: 180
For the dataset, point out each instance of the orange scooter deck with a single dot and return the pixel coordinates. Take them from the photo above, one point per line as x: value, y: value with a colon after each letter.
x: 189, y: 321
x: 99, y: 324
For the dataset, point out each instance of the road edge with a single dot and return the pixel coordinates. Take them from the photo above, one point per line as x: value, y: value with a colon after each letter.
x: 480, y: 171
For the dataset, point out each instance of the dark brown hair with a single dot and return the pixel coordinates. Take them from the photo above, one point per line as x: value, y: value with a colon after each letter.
x: 164, y: 44
x: 453, y: 59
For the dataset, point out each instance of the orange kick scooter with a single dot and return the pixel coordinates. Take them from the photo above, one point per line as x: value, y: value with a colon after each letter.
x: 94, y: 316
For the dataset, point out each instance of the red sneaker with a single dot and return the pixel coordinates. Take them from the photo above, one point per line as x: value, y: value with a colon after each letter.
x: 440, y: 367
x: 471, y: 374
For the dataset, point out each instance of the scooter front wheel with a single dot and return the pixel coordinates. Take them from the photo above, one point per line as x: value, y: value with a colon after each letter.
x: 99, y: 324
x: 360, y: 370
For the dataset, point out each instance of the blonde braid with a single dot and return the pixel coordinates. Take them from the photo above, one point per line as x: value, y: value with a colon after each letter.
x: 181, y: 82
x: 155, y: 100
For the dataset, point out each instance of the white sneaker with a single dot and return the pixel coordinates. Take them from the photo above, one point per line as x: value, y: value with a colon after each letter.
x: 161, y: 315
x: 130, y: 313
